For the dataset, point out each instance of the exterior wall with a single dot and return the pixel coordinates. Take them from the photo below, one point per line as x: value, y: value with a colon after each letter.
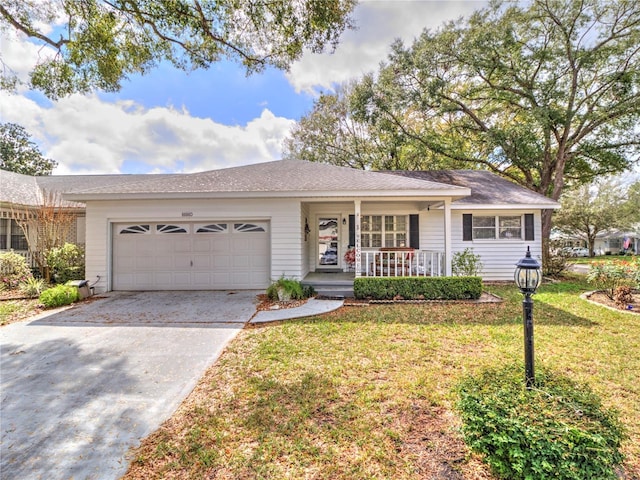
x: 498, y: 256
x: 284, y: 215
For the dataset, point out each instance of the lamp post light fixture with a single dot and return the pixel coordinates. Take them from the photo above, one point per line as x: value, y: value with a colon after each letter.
x: 528, y: 276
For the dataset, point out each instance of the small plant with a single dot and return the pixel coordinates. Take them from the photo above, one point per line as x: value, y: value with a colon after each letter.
x: 557, y: 430
x: 33, y: 287
x: 623, y: 295
x: 66, y: 263
x: 13, y: 270
x: 608, y: 276
x: 555, y: 265
x: 59, y: 295
x: 466, y: 263
x: 287, y: 289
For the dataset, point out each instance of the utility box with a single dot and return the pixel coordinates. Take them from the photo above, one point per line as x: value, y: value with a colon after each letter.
x: 82, y: 286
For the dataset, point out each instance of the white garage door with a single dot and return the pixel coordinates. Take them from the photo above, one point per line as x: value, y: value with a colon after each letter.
x: 190, y: 256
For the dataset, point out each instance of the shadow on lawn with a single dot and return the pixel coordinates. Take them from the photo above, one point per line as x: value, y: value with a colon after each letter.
x: 507, y: 313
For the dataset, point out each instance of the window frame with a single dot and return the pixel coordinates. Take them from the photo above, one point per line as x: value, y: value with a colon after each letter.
x: 367, y: 236
x: 499, y: 230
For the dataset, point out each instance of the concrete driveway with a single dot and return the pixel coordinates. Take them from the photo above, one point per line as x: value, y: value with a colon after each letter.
x: 82, y: 386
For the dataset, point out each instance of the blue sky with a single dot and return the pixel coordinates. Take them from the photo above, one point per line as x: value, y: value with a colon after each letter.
x: 174, y: 121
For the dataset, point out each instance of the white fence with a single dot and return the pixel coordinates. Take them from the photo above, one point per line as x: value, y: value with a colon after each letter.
x: 403, y: 263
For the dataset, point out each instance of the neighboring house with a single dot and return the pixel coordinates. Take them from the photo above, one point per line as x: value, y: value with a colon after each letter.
x: 243, y: 227
x: 614, y: 242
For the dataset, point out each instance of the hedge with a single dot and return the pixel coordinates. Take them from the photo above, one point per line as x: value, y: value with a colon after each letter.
x: 417, y: 288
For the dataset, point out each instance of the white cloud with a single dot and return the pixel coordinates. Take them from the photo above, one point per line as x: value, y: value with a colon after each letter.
x: 19, y: 55
x: 379, y: 24
x: 86, y: 135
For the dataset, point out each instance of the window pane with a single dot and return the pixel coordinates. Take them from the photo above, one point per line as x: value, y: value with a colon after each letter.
x: 484, y: 233
x: 401, y: 240
x: 18, y: 240
x: 483, y: 221
x: 389, y: 240
x: 376, y: 223
x: 389, y: 223
x: 510, y: 227
x: 365, y: 223
x: 376, y: 240
x: 401, y: 223
x: 365, y: 240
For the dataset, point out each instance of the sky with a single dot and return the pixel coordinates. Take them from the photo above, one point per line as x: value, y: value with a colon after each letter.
x: 171, y: 121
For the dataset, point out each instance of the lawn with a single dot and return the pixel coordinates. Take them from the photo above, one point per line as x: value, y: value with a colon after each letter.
x: 367, y: 392
x: 599, y: 258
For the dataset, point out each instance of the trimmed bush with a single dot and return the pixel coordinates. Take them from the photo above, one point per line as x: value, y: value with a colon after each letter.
x: 557, y: 430
x: 66, y: 263
x: 59, y: 295
x: 418, y: 288
x: 13, y: 270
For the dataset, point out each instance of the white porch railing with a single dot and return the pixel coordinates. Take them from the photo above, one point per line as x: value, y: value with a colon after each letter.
x: 403, y: 263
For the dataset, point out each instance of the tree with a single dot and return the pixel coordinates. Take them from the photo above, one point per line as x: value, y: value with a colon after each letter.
x: 546, y: 94
x: 45, y: 227
x: 21, y: 155
x: 98, y: 43
x: 593, y: 209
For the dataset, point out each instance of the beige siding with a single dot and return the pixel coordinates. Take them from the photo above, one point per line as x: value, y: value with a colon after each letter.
x: 284, y: 216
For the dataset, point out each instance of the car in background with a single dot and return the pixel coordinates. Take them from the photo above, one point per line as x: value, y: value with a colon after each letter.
x: 579, y: 252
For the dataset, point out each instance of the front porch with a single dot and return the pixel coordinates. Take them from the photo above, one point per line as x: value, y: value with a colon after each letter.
x: 386, y: 262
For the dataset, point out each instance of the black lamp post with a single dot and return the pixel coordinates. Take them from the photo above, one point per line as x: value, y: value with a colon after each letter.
x: 528, y: 276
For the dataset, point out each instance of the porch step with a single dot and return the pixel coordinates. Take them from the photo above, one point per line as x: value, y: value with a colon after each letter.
x: 332, y: 289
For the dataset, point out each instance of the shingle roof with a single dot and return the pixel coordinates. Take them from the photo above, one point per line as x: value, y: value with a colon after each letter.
x: 486, y: 188
x: 282, y: 176
x: 19, y: 189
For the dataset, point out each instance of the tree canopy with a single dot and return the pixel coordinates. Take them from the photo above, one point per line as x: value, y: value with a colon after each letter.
x: 593, y: 209
x: 545, y: 93
x: 19, y: 154
x: 98, y: 43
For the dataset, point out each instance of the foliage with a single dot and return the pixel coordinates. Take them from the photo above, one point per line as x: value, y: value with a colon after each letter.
x: 592, y: 209
x: 19, y: 154
x: 418, y: 288
x: 59, y: 295
x: 557, y: 430
x: 13, y: 270
x: 555, y: 265
x: 544, y: 93
x: 32, y: 287
x: 66, y: 262
x: 623, y: 295
x: 98, y: 44
x: 285, y: 289
x: 45, y: 227
x: 466, y: 263
x: 609, y: 275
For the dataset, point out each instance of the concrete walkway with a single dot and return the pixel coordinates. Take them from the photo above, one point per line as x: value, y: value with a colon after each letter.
x: 80, y: 387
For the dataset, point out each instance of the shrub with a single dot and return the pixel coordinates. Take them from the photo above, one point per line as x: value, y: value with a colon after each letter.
x: 555, y: 265
x: 557, y: 430
x: 33, y: 287
x: 66, y: 263
x: 59, y: 295
x: 285, y: 289
x: 418, y: 288
x: 13, y: 270
x: 608, y: 276
x: 466, y: 263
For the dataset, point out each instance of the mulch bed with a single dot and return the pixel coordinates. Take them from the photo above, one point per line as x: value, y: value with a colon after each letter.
x: 264, y: 303
x: 600, y: 297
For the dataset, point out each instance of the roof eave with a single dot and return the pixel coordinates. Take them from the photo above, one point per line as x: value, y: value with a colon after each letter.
x: 505, y: 206
x: 454, y: 193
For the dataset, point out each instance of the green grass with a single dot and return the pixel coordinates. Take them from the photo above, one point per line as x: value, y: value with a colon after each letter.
x: 598, y: 258
x: 15, y: 310
x: 367, y: 392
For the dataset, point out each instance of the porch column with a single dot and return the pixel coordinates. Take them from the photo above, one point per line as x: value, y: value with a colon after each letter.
x: 358, y: 265
x: 447, y: 237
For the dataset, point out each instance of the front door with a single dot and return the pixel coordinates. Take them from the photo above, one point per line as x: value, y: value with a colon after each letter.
x: 328, y: 228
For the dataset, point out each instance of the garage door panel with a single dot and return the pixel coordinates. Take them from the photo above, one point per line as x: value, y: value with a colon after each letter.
x: 220, y: 255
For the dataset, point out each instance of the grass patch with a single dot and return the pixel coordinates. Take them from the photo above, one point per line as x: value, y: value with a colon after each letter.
x: 16, y: 310
x: 369, y: 392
